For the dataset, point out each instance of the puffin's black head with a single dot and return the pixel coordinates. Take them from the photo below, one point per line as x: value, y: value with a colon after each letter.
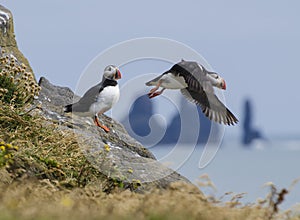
x: 112, y: 72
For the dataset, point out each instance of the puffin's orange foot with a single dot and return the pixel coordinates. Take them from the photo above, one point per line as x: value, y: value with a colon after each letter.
x: 154, y: 89
x: 152, y: 95
x: 97, y: 123
x: 106, y: 129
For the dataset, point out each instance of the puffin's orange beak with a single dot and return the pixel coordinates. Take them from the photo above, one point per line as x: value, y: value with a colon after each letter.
x: 118, y: 75
x: 223, y: 85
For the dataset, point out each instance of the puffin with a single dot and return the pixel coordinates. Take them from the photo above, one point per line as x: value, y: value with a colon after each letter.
x: 196, y: 84
x: 99, y: 98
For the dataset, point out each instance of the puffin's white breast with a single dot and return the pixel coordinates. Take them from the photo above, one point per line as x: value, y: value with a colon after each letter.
x: 170, y: 81
x: 106, y: 99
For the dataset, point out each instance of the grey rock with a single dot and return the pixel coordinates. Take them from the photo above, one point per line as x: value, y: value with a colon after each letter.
x: 250, y: 133
x: 54, y: 97
x: 115, y: 154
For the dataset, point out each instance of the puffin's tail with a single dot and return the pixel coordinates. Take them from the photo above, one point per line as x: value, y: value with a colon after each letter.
x: 153, y: 82
x: 68, y: 108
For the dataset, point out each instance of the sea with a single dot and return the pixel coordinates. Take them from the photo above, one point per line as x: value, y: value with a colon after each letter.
x: 236, y: 168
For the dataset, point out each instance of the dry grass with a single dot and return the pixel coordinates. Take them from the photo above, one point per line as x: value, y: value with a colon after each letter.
x: 43, y: 151
x: 41, y: 200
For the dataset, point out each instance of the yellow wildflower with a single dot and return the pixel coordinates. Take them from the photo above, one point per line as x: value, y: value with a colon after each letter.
x: 137, y: 182
x: 67, y: 202
x: 130, y: 170
x: 107, y: 147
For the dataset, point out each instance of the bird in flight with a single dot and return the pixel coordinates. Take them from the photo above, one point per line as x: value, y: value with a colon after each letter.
x: 196, y: 84
x: 100, y: 98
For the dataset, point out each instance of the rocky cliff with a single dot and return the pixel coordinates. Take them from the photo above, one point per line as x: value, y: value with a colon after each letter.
x: 7, y: 36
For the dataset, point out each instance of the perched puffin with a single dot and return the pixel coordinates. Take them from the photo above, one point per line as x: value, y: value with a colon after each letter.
x: 196, y: 84
x: 99, y: 98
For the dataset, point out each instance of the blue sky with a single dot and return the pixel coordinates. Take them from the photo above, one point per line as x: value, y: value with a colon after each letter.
x: 254, y: 45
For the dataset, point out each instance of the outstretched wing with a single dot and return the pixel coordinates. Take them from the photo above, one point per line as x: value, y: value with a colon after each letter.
x: 211, y: 106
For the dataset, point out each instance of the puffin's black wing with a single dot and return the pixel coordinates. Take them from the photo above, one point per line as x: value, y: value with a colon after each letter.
x: 211, y: 106
x: 193, y: 74
x: 83, y: 105
x: 86, y: 101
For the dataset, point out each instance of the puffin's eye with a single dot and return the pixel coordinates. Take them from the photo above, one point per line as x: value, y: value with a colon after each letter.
x: 109, y: 68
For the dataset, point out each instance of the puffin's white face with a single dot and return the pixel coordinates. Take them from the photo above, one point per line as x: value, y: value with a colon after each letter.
x: 217, y: 81
x: 112, y: 72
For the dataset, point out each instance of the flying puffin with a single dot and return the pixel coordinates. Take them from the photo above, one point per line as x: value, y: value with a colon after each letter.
x: 99, y: 98
x: 196, y: 84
